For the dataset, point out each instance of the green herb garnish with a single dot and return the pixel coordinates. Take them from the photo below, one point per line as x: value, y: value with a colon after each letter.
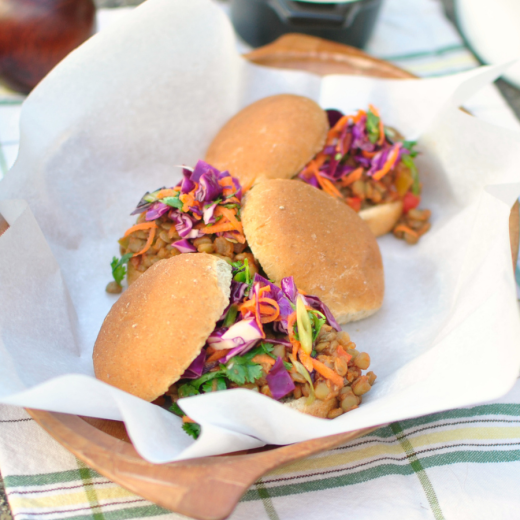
x: 188, y: 389
x: 215, y: 385
x: 176, y: 409
x: 372, y: 127
x: 119, y: 267
x: 192, y: 429
x: 241, y: 370
x: 409, y: 145
x: 174, y: 202
x: 242, y: 273
x: 231, y: 316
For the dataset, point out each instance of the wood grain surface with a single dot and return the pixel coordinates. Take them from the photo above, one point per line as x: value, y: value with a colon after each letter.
x: 221, y: 481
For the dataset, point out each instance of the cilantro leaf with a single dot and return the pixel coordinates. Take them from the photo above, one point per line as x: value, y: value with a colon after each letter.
x: 409, y: 145
x: 176, y: 409
x: 214, y: 385
x: 192, y: 429
x: 188, y: 389
x: 174, y: 202
x: 197, y: 383
x: 287, y: 365
x: 372, y: 127
x: 241, y: 370
x: 263, y: 348
x: 118, y: 267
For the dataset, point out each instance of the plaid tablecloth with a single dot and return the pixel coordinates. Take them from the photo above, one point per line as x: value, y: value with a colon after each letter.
x: 459, y: 464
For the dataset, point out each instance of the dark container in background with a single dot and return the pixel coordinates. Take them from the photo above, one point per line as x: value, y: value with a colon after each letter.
x: 260, y: 22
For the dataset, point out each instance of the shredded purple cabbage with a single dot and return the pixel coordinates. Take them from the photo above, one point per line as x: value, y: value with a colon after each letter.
x: 244, y: 334
x: 157, y: 210
x: 315, y: 303
x: 196, y: 368
x: 184, y: 246
x: 334, y: 116
x: 279, y: 381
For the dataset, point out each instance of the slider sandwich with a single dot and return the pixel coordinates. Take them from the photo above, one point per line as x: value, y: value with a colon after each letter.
x: 354, y: 158
x: 284, y: 227
x: 194, y: 324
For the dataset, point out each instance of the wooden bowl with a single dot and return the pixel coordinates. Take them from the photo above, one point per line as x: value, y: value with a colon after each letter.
x: 221, y: 481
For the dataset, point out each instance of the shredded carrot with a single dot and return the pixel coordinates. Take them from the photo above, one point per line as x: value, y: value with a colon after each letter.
x: 314, y: 166
x: 219, y: 227
x: 352, y: 177
x: 247, y: 306
x: 149, y: 242
x: 233, y: 200
x: 296, y: 346
x: 359, y: 115
x: 381, y: 139
x: 328, y: 373
x: 226, y: 182
x: 263, y: 289
x: 230, y: 214
x: 343, y: 353
x: 390, y: 162
x: 138, y: 227
x: 188, y: 200
x: 186, y: 419
x: 368, y: 155
x: 263, y: 358
x: 247, y: 186
x: 210, y: 350
x: 166, y: 193
x: 272, y: 306
x: 405, y: 229
x: 337, y: 128
x: 305, y: 359
x: 218, y: 354
x: 374, y: 110
x: 328, y: 187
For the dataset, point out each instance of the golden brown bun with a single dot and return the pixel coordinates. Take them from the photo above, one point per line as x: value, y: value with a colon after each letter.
x: 383, y: 218
x: 296, y: 230
x: 273, y: 138
x: 317, y: 408
x: 159, y: 325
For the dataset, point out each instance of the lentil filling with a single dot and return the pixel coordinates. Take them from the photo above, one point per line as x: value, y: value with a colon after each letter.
x: 366, y: 164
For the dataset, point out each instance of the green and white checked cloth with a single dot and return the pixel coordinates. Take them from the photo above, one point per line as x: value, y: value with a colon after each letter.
x: 462, y: 464
x: 458, y: 464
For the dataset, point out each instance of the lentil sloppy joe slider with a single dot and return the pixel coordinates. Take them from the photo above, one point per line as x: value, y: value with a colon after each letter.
x: 354, y: 158
x: 194, y: 324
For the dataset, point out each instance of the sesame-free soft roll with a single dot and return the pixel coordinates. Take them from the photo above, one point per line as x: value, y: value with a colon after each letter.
x: 294, y: 229
x: 272, y: 138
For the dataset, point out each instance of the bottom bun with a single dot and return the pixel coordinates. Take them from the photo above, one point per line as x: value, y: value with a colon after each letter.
x: 383, y: 218
x: 317, y: 408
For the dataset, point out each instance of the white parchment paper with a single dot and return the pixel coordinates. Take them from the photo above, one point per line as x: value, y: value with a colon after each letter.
x: 112, y: 120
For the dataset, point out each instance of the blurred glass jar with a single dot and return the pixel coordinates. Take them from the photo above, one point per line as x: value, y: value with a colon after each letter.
x: 259, y: 22
x: 37, y: 34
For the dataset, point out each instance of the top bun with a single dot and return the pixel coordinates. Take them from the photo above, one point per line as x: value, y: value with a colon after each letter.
x: 274, y: 138
x: 160, y: 324
x: 295, y: 229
